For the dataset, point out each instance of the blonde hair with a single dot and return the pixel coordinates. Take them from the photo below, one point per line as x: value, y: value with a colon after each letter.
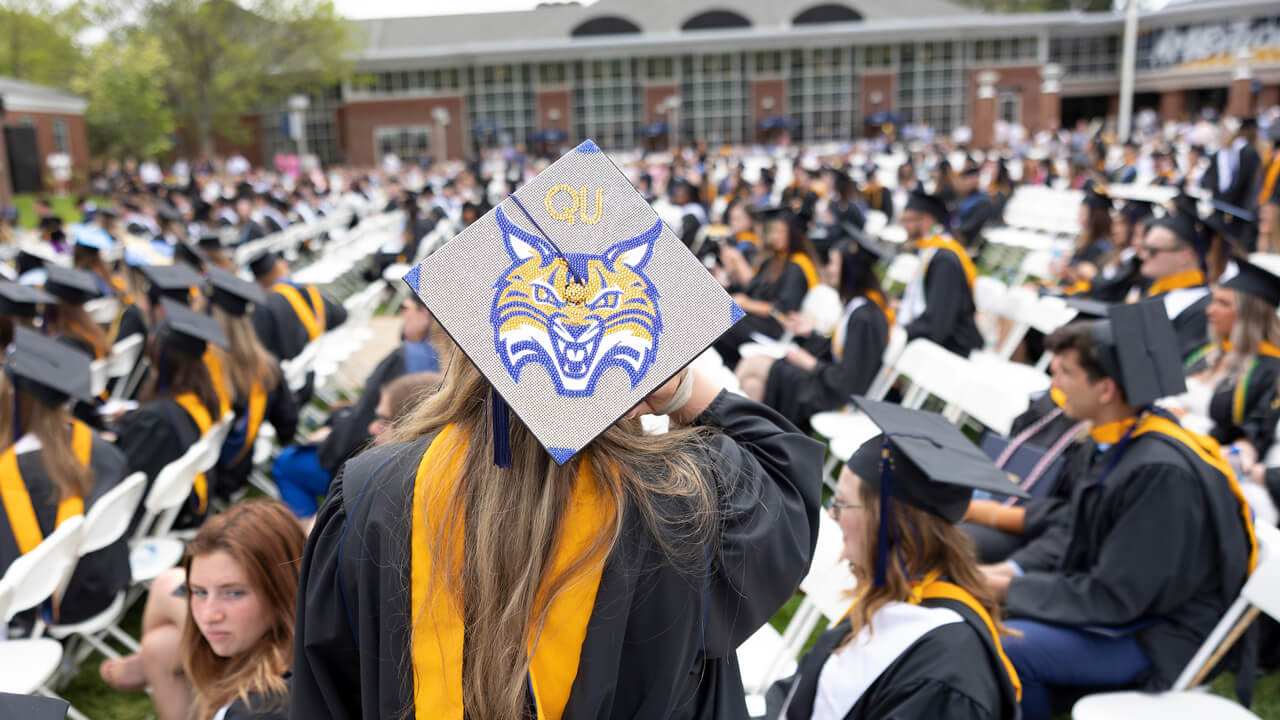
x: 52, y: 425
x: 1256, y: 321
x: 506, y: 583
x: 247, y: 360
x: 266, y: 541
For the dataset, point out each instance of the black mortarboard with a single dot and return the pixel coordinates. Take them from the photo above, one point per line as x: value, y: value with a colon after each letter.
x: 47, y: 369
x: 1256, y: 281
x: 20, y: 300
x: 921, y: 201
x: 1096, y: 197
x: 190, y: 331
x: 168, y: 212
x: 1087, y: 308
x: 32, y: 707
x: 186, y: 254
x: 1182, y: 226
x: 232, y: 293
x: 862, y: 246
x: 1249, y: 123
x: 50, y: 222
x: 210, y: 240
x: 1135, y: 210
x: 27, y: 261
x: 1138, y: 348
x: 263, y: 263
x: 171, y: 281
x: 970, y: 171
x: 70, y: 285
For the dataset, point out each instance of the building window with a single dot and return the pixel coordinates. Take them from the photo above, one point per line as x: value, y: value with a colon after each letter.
x: 1009, y: 107
x: 61, y: 142
x: 931, y: 90
x: 998, y: 50
x: 606, y: 25
x: 661, y: 68
x: 821, y: 94
x: 768, y: 63
x: 827, y: 13
x: 1087, y: 56
x: 406, y: 143
x: 551, y: 74
x: 877, y: 57
x: 716, y: 20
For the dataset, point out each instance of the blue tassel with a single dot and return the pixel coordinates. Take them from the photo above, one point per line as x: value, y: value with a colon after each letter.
x: 501, y: 429
x: 882, y: 539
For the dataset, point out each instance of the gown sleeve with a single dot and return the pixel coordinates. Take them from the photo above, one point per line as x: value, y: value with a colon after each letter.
x: 148, y: 441
x: 769, y: 490
x: 1259, y: 423
x: 1137, y: 562
x: 971, y: 226
x: 792, y: 287
x: 944, y: 284
x: 282, y: 412
x: 264, y: 323
x: 334, y: 313
x: 866, y: 336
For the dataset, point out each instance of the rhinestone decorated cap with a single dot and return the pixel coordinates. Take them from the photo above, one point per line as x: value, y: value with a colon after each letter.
x: 573, y: 299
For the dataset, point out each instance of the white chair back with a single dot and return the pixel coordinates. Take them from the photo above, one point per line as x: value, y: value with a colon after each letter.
x: 169, y: 490
x: 108, y: 519
x: 822, y: 305
x: 36, y: 576
x: 124, y: 355
x: 103, y: 310
x: 97, y: 376
x: 903, y: 268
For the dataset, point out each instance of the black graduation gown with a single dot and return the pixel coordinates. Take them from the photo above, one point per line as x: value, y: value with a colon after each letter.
x: 659, y: 643
x: 1258, y: 424
x: 948, y: 317
x: 155, y: 435
x: 281, y: 412
x: 280, y: 330
x: 99, y: 576
x: 1161, y: 540
x: 350, y: 426
x: 1192, y: 326
x: 879, y: 198
x: 953, y: 671
x: 259, y: 707
x: 132, y: 322
x: 972, y: 215
x: 786, y: 293
x: 1115, y: 288
x: 799, y: 393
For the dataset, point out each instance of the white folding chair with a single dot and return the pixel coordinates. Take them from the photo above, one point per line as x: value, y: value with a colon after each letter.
x: 105, y: 523
x: 121, y: 362
x: 903, y: 268
x: 822, y: 306
x: 97, y: 376
x: 153, y: 550
x: 1261, y: 593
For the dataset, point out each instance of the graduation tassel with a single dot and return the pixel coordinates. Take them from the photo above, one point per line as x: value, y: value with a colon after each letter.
x: 501, y: 429
x: 882, y: 537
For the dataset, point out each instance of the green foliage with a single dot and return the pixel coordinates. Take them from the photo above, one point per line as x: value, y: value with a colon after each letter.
x: 129, y: 113
x: 37, y: 41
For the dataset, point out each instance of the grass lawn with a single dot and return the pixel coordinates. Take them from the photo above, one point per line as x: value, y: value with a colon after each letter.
x: 64, y: 206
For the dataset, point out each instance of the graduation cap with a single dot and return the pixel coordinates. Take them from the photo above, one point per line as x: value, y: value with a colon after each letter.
x: 70, y: 285
x: 47, y: 369
x: 210, y: 240
x: 1217, y: 222
x: 30, y: 259
x: 1135, y: 210
x: 921, y: 201
x: 91, y: 236
x: 1087, y: 308
x: 189, y: 331
x: 924, y: 461
x: 970, y: 171
x: 1096, y: 197
x: 20, y: 300
x: 174, y: 282
x: 50, y: 222
x: 263, y: 263
x: 32, y: 707
x: 233, y: 293
x: 862, y: 247
x: 574, y: 309
x: 1181, y: 225
x: 1138, y: 348
x: 1256, y: 281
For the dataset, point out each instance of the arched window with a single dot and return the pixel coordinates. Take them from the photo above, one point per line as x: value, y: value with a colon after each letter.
x: 715, y: 20
x: 605, y: 25
x: 827, y: 13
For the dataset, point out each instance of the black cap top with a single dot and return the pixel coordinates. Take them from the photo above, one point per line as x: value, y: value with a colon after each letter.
x: 263, y: 263
x: 33, y: 707
x: 20, y: 300
x: 776, y: 212
x: 1096, y: 197
x: 189, y: 256
x: 934, y: 466
x: 1138, y: 349
x: 1256, y: 281
x: 921, y: 201
x: 210, y: 240
x: 47, y: 369
x: 862, y: 246
x: 970, y: 171
x: 190, y: 331
x: 1249, y: 123
x: 1181, y: 225
x: 171, y: 281
x: 1135, y: 210
x: 231, y: 293
x: 70, y: 285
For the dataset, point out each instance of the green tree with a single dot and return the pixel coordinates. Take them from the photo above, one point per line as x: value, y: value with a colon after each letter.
x: 37, y: 41
x: 129, y: 113
x: 228, y: 58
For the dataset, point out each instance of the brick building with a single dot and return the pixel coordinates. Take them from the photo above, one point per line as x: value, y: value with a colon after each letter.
x: 57, y: 119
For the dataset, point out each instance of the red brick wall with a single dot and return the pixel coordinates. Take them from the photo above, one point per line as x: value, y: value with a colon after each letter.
x: 359, y: 120
x: 772, y: 88
x: 547, y: 100
x: 77, y: 138
x: 1269, y: 95
x: 653, y: 97
x: 1173, y: 105
x: 876, y: 83
x: 1025, y: 80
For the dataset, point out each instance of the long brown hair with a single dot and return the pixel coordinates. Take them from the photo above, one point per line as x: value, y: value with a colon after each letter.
x: 52, y: 426
x: 183, y: 373
x: 1096, y: 229
x: 925, y: 542
x: 247, y: 360
x: 266, y: 541
x: 506, y: 584
x: 772, y: 264
x: 1256, y: 321
x: 73, y: 319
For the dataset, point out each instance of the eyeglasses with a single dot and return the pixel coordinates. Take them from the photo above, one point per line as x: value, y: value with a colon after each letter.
x: 836, y: 506
x: 1156, y: 250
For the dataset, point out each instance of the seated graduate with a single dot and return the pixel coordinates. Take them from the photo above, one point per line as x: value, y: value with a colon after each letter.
x: 242, y: 589
x: 1119, y: 271
x: 257, y: 383
x: 180, y: 402
x: 1092, y: 244
x: 1171, y: 259
x: 639, y: 562
x: 822, y: 373
x: 938, y: 303
x: 19, y: 306
x: 350, y: 426
x: 784, y: 273
x: 55, y: 468
x: 90, y: 243
x: 293, y: 315
x: 922, y: 638
x: 973, y: 209
x: 1159, y: 539
x: 181, y: 284
x: 874, y: 195
x: 68, y: 321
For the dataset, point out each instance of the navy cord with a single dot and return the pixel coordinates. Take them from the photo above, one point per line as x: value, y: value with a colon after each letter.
x: 547, y: 237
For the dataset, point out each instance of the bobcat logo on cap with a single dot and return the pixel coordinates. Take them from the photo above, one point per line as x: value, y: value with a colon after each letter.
x: 576, y: 324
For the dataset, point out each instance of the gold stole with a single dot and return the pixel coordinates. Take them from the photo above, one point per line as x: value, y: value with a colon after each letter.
x: 312, y: 316
x: 213, y: 361
x: 1269, y: 183
x: 437, y: 640
x: 944, y: 242
x: 257, y: 409
x: 1177, y: 281
x: 17, y: 499
x: 1238, y: 397
x: 806, y: 265
x: 200, y: 414
x: 932, y: 588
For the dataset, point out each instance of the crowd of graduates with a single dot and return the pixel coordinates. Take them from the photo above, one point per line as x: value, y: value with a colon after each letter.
x: 1127, y: 531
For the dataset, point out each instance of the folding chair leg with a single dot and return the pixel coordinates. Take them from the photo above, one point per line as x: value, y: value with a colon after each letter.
x: 72, y: 712
x: 124, y: 638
